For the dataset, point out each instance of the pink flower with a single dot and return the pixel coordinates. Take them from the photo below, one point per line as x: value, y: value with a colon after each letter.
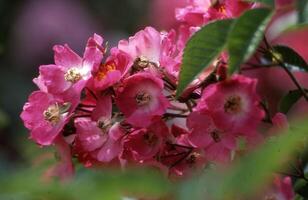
x: 97, y: 135
x: 284, y: 3
x: 195, y: 13
x: 45, y: 116
x: 70, y: 70
x: 200, y: 12
x: 193, y: 162
x: 280, y: 121
x: 97, y: 141
x: 150, y: 48
x: 181, y: 158
x: 141, y: 98
x: 280, y: 124
x: 284, y: 188
x: 185, y: 32
x: 233, y: 103
x: 281, y: 189
x: 110, y: 72
x: 217, y: 142
x: 145, y: 143
x: 96, y: 105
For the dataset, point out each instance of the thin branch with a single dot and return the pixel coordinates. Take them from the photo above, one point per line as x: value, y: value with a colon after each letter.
x: 299, y: 87
x: 267, y: 113
x: 83, y: 110
x: 282, y: 64
x: 189, y: 106
x: 92, y: 93
x: 175, y: 115
x: 80, y: 116
x: 181, y: 159
x: 172, y: 155
x: 86, y: 106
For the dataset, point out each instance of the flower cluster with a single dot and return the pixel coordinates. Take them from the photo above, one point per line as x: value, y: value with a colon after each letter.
x: 200, y: 12
x: 118, y: 106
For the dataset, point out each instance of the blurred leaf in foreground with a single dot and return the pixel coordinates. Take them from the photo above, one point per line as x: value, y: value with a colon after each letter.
x: 90, y: 185
x: 252, y: 172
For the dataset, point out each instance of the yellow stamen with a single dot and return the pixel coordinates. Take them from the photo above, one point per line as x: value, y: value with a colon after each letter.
x: 52, y: 114
x: 220, y: 7
x: 72, y: 75
x: 104, y: 69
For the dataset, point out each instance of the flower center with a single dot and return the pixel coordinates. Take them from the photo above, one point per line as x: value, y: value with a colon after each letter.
x: 233, y: 105
x: 150, y: 138
x: 72, y: 75
x: 215, y: 134
x: 220, y: 7
x: 52, y: 114
x: 104, y: 69
x: 192, y: 159
x: 142, y: 62
x: 104, y: 125
x: 143, y: 98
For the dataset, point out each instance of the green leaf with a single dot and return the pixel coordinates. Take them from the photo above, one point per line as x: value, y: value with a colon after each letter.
x: 298, y: 197
x: 290, y: 57
x: 200, y: 51
x: 245, y: 36
x: 267, y: 2
x: 90, y: 185
x: 302, y: 8
x: 254, y: 171
x: 289, y: 100
x: 301, y: 187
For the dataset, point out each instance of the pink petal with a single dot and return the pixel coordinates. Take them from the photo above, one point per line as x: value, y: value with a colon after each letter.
x: 53, y: 78
x: 66, y: 57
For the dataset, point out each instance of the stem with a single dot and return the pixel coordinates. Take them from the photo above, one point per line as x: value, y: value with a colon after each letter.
x: 86, y: 106
x: 80, y: 116
x: 168, y: 81
x: 289, y: 174
x: 181, y: 159
x: 175, y: 115
x: 92, y: 93
x: 179, y: 145
x: 282, y: 64
x: 299, y: 87
x: 193, y: 102
x: 84, y: 110
x: 173, y: 107
x: 189, y: 107
x: 168, y: 86
x: 267, y: 113
x: 173, y: 155
x: 268, y: 46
